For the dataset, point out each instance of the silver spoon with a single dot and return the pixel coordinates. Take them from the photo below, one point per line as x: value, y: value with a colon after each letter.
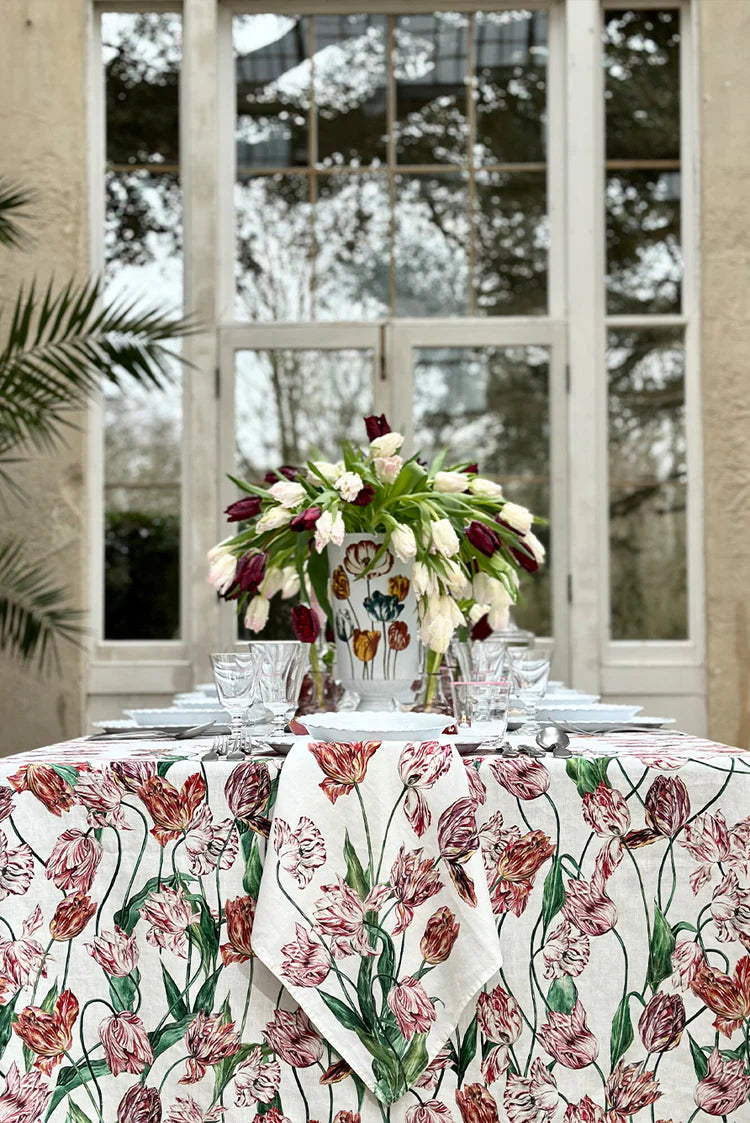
x: 554, y: 740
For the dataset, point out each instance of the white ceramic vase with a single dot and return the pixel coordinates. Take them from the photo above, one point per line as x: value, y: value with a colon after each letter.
x: 374, y: 620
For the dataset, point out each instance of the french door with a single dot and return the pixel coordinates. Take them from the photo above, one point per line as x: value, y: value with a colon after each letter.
x: 486, y: 390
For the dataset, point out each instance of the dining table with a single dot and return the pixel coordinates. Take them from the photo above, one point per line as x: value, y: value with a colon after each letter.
x: 375, y: 930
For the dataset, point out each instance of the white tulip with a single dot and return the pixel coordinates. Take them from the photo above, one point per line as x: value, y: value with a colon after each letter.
x: 329, y: 471
x: 387, y: 468
x: 450, y: 481
x: 222, y: 566
x: 287, y: 493
x: 532, y: 543
x: 444, y: 538
x: 349, y: 486
x: 455, y: 579
x: 256, y: 616
x: 440, y: 619
x: 477, y: 611
x: 272, y: 519
x: 424, y: 581
x: 272, y: 582
x: 488, y: 489
x: 329, y: 528
x: 386, y: 445
x: 517, y: 518
x: 404, y: 543
x: 291, y: 585
x: 498, y: 617
x: 489, y: 590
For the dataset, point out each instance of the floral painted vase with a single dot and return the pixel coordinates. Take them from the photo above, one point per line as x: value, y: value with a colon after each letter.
x: 374, y: 620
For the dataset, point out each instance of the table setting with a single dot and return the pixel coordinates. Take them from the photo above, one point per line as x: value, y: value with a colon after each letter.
x: 385, y: 871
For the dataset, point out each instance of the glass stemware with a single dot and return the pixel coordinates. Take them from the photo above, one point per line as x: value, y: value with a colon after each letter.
x: 281, y: 666
x: 235, y: 675
x: 530, y: 672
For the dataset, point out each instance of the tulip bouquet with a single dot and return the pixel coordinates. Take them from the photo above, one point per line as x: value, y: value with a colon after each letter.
x: 464, y: 540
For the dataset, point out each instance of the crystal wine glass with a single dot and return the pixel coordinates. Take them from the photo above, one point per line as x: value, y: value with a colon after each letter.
x: 235, y: 675
x: 281, y: 666
x: 530, y: 672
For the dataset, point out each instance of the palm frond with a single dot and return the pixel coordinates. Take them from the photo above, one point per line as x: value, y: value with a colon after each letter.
x: 34, y: 613
x: 61, y: 343
x: 13, y: 198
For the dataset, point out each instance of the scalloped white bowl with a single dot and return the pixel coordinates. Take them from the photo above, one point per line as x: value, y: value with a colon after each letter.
x: 375, y: 725
x: 593, y: 712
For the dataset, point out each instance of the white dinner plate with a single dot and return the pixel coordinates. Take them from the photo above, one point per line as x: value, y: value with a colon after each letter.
x: 617, y: 726
x: 375, y: 725
x: 576, y: 712
x: 173, y: 716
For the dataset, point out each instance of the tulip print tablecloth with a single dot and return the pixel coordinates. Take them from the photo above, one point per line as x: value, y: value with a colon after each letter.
x: 130, y: 878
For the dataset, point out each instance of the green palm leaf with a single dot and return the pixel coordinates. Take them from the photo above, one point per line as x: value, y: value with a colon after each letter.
x: 60, y: 344
x: 13, y: 198
x: 34, y: 613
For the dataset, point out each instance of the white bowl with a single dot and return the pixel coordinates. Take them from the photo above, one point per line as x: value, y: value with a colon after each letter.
x: 576, y: 712
x: 174, y: 716
x: 375, y: 725
x: 188, y: 701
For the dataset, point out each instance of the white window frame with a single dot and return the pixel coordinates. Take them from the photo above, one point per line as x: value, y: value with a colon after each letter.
x: 576, y: 308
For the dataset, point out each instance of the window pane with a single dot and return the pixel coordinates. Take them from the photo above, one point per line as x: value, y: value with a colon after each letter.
x: 291, y: 403
x: 432, y: 242
x: 273, y: 77
x: 352, y: 233
x: 510, y: 51
x: 274, y: 248
x: 512, y: 240
x: 493, y: 402
x: 350, y: 89
x: 431, y: 70
x: 142, y: 428
x: 647, y: 485
x: 644, y: 271
x: 642, y: 99
x: 642, y: 83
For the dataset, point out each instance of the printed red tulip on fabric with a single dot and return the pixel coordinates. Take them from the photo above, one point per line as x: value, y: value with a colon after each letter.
x: 343, y: 764
x: 48, y: 1035
x: 172, y: 810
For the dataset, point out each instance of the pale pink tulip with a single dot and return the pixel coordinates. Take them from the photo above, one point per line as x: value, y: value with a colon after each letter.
x: 126, y: 1044
x: 499, y: 1020
x: 306, y: 962
x: 566, y: 951
x: 101, y: 795
x: 411, y: 1007
x: 207, y: 843
x: 568, y: 1039
x: 116, y: 952
x: 606, y: 811
x: 256, y: 1080
x: 420, y: 766
x: 16, y: 869
x: 414, y: 880
x: 730, y: 909
x: 588, y: 906
x: 340, y: 913
x: 523, y: 777
x: 209, y: 1040
x: 302, y: 851
x: 169, y: 914
x: 22, y: 959
x: 24, y: 1098
x: 725, y: 1086
x: 532, y: 1098
x: 292, y: 1037
x: 74, y: 860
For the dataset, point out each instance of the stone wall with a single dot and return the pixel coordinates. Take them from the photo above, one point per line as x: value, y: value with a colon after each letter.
x: 725, y: 283
x: 43, y: 133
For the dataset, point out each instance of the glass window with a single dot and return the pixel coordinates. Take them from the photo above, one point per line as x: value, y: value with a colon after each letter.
x: 391, y: 165
x: 291, y: 404
x: 643, y: 188
x: 142, y: 428
x: 647, y: 484
x: 493, y: 401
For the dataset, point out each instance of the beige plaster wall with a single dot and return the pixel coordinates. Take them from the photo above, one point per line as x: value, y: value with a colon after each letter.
x: 43, y: 145
x: 725, y: 280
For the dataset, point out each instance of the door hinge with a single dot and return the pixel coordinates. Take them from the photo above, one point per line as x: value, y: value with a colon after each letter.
x: 383, y: 373
x: 217, y: 382
x: 570, y: 588
x: 567, y: 378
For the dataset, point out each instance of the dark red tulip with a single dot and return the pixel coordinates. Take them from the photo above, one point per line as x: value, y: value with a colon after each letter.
x: 305, y: 623
x: 246, y: 508
x: 306, y: 519
x: 288, y: 471
x: 482, y: 538
x: 251, y: 569
x: 365, y: 496
x: 472, y: 468
x: 376, y: 426
x: 481, y: 629
x: 526, y: 560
